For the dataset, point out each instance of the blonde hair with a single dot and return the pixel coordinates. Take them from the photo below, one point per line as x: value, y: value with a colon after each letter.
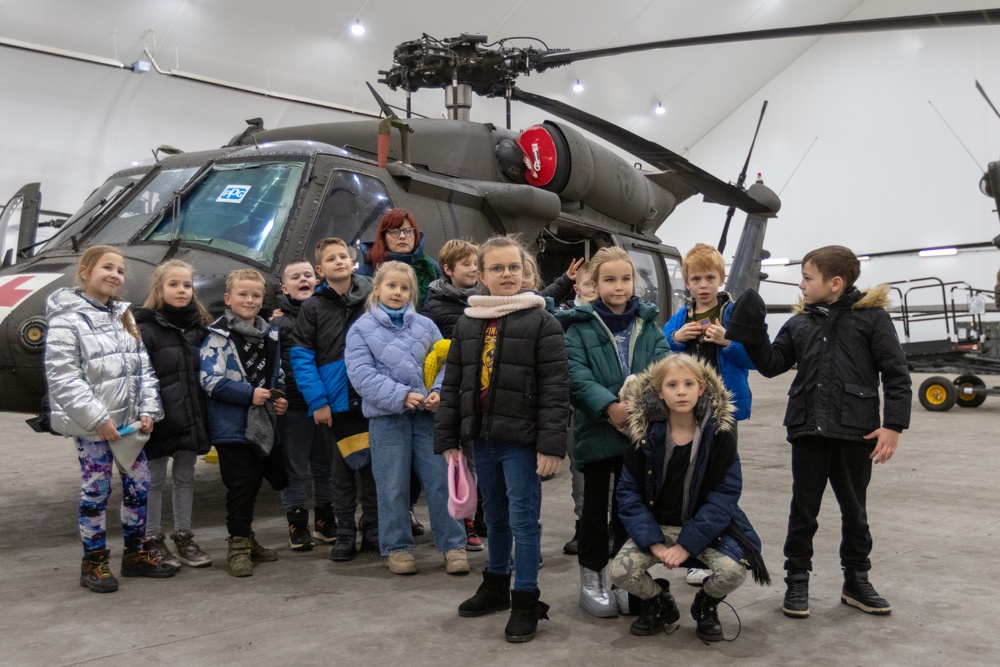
x: 329, y: 241
x: 610, y: 254
x: 531, y: 263
x: 243, y: 274
x: 703, y: 257
x: 387, y: 267
x: 88, y: 260
x: 685, y: 362
x: 155, y: 298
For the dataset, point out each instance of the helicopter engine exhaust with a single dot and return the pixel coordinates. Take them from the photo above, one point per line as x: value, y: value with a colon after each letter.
x: 558, y: 158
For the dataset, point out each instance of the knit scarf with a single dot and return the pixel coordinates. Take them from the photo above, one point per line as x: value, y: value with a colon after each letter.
x: 426, y: 274
x: 617, y: 323
x: 482, y: 307
x: 183, y: 317
x: 395, y: 314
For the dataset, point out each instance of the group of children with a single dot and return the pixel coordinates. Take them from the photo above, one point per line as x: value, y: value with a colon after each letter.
x: 336, y: 390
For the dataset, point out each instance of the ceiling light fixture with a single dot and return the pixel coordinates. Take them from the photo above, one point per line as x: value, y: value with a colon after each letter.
x: 938, y: 252
x: 356, y: 28
x: 660, y: 109
x: 577, y: 87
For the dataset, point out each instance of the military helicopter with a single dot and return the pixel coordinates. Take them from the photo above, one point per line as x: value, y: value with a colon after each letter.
x: 268, y: 195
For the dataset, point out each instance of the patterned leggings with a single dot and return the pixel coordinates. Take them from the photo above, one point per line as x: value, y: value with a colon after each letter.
x: 96, y: 468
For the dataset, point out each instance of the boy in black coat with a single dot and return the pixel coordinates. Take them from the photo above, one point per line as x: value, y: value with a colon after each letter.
x: 841, y: 340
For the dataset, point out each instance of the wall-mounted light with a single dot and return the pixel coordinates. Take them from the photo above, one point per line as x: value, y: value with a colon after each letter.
x: 356, y: 28
x: 938, y: 252
x: 660, y: 109
x: 775, y: 261
x: 863, y: 258
x: 577, y: 87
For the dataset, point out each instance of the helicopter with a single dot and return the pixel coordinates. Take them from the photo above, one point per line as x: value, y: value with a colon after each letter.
x: 269, y: 195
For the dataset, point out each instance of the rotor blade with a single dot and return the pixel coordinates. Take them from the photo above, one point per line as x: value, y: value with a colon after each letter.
x: 662, y: 158
x: 741, y: 180
x: 987, y: 98
x: 921, y: 21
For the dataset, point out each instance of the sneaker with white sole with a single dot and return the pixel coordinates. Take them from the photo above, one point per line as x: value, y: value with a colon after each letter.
x: 456, y: 562
x: 696, y: 576
x: 401, y: 562
x: 188, y: 551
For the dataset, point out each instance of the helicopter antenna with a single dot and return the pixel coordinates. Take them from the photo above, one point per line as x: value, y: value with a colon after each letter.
x: 742, y: 179
x: 799, y: 164
x: 955, y: 134
x: 382, y: 104
x: 986, y: 97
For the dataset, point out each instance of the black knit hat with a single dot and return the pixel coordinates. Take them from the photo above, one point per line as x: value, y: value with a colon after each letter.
x: 746, y: 320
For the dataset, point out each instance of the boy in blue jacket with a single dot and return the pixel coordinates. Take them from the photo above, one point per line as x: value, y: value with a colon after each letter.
x: 317, y: 359
x: 240, y: 366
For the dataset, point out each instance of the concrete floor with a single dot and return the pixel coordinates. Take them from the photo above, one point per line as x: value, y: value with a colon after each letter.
x: 934, y: 512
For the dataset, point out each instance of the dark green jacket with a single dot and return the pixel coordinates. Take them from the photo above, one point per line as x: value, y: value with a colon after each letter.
x: 595, y: 375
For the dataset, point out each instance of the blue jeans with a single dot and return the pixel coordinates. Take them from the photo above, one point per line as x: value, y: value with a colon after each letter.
x: 396, y: 442
x: 512, y: 503
x: 307, y: 455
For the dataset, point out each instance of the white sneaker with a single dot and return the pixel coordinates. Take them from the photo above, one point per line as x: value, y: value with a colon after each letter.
x: 696, y: 577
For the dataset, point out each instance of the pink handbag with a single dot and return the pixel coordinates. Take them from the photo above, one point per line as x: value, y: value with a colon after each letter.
x: 461, y: 488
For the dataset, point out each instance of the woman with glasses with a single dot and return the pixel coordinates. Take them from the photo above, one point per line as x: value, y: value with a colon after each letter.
x: 399, y: 239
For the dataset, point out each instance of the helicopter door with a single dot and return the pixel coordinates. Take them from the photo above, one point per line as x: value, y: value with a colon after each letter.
x: 652, y: 283
x: 19, y: 222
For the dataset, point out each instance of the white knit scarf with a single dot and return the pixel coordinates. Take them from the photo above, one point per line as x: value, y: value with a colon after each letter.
x: 483, y: 307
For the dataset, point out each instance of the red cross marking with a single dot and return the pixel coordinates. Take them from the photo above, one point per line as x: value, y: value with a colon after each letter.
x: 11, y: 292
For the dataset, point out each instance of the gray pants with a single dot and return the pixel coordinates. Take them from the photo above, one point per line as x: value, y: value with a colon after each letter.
x: 629, y: 569
x: 183, y: 476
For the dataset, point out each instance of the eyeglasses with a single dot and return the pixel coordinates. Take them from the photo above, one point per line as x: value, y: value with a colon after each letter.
x: 497, y: 270
x: 405, y: 232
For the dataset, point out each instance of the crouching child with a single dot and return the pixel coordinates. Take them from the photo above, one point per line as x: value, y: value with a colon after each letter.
x: 680, y: 485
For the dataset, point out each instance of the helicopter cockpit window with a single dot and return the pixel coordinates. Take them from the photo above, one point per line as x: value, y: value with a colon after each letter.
x: 239, y: 208
x: 647, y: 280
x: 678, y: 292
x: 142, y: 206
x: 99, y: 200
x: 354, y: 203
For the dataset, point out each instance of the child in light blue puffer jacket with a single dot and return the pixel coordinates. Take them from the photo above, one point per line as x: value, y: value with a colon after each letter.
x: 386, y: 349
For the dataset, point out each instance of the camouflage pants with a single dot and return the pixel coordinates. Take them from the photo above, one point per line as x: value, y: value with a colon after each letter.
x: 629, y: 569
x: 97, y: 468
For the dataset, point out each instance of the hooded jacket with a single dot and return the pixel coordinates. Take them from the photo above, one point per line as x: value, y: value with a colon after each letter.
x: 96, y: 370
x: 734, y: 363
x: 529, y: 387
x: 318, y: 339
x: 224, y: 379
x: 711, y: 516
x: 173, y: 351
x: 840, y: 350
x: 595, y: 374
x: 445, y: 305
x: 385, y: 364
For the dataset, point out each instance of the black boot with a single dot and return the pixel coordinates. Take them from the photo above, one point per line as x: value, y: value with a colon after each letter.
x: 369, y: 537
x: 324, y: 524
x: 796, y: 595
x: 95, y: 572
x: 344, y: 548
x: 858, y: 592
x: 657, y: 613
x: 299, y: 538
x: 571, y: 547
x: 705, y: 612
x: 525, y: 612
x: 493, y: 595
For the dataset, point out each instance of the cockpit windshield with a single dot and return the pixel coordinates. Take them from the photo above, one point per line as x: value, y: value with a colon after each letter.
x: 241, y: 208
x: 142, y: 206
x: 101, y: 198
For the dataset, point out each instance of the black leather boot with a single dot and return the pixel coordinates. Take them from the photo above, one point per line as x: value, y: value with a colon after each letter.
x: 525, y: 612
x: 656, y: 613
x: 705, y: 612
x: 796, y: 603
x: 493, y: 595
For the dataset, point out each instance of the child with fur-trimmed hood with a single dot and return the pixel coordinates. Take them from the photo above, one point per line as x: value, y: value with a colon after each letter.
x: 679, y: 492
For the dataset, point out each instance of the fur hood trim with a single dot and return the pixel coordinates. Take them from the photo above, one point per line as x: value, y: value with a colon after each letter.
x: 874, y: 297
x: 645, y: 407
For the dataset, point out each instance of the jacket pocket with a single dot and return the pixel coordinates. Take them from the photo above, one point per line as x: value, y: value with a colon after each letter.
x: 795, y: 413
x: 859, y: 408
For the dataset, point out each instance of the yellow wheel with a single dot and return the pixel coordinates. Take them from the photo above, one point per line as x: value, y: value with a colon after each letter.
x: 969, y: 382
x: 937, y: 394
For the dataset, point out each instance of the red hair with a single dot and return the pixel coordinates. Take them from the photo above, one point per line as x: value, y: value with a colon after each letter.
x: 393, y: 219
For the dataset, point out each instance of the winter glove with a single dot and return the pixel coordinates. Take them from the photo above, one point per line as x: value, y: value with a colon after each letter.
x: 746, y: 320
